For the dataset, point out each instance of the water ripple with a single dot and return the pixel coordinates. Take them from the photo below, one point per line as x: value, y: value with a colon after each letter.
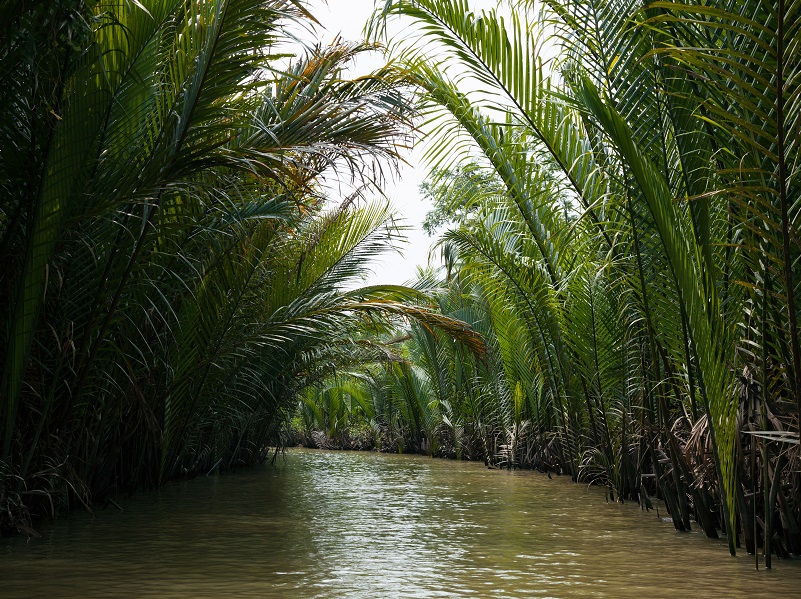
x: 355, y: 525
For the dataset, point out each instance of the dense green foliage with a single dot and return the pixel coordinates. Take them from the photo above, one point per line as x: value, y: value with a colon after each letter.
x: 172, y: 270
x: 636, y: 266
x: 618, y: 185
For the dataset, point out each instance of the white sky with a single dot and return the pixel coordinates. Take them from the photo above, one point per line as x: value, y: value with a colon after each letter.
x: 347, y: 18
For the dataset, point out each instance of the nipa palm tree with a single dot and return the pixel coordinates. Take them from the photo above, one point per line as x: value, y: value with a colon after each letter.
x: 173, y: 273
x: 663, y: 305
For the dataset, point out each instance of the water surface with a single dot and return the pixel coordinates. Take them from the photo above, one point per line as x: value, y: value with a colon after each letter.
x: 362, y: 525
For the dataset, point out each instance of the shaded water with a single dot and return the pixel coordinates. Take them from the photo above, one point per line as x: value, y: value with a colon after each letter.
x: 339, y: 524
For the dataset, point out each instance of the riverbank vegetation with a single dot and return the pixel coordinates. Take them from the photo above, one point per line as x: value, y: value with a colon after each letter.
x: 626, y: 238
x: 173, y: 270
x: 616, y: 202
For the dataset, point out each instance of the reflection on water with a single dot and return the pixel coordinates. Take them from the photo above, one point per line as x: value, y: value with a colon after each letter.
x: 342, y: 524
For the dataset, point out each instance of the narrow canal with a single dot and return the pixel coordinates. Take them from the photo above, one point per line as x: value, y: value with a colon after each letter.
x: 364, y: 525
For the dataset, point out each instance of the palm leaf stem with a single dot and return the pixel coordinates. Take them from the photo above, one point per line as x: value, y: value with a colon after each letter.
x: 782, y: 184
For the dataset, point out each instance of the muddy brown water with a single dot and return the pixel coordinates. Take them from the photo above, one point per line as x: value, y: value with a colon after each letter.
x: 364, y: 525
